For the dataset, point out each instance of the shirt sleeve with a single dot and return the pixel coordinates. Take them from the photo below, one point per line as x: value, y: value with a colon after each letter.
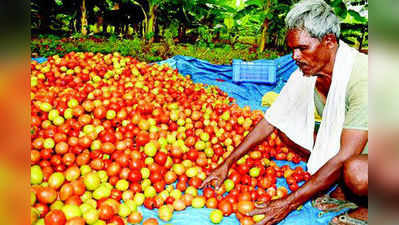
x: 356, y: 116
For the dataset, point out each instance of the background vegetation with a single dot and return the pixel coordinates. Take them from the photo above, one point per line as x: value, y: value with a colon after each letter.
x: 151, y: 30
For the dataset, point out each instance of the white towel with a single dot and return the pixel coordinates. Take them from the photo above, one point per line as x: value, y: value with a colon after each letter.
x: 293, y: 111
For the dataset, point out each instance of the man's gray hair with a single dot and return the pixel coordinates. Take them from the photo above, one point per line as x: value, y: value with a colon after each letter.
x: 314, y: 16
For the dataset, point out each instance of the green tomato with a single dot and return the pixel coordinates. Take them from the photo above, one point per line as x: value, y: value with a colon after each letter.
x: 48, y: 143
x: 110, y: 114
x: 176, y: 194
x: 226, y: 115
x: 40, y: 222
x: 103, y: 176
x: 91, y: 216
x: 95, y: 145
x: 56, y: 180
x: 229, y: 185
x: 100, y: 222
x: 46, y: 107
x: 122, y: 185
x: 200, y: 145
x: 145, y: 172
x: 216, y: 216
x: 139, y: 198
x: 85, y: 207
x: 92, y: 181
x: 53, y: 114
x: 150, y: 149
x: 101, y: 192
x: 132, y: 205
x: 192, y: 191
x: 57, y: 205
x: 209, y: 152
x: 150, y: 192
x: 32, y: 198
x: 204, y: 136
x: 254, y: 172
x: 59, y: 120
x: 71, y: 211
x: 68, y: 113
x: 258, y: 218
x: 124, y: 210
x: 192, y: 172
x: 36, y: 174
x: 92, y: 202
x: 86, y: 196
x: 165, y: 213
x: 85, y: 169
x: 73, y: 103
x: 198, y: 202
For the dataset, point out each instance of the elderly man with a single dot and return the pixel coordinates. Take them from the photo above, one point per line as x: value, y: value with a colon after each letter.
x: 333, y: 79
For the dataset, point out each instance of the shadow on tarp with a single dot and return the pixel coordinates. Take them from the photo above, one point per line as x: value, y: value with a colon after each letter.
x: 245, y: 94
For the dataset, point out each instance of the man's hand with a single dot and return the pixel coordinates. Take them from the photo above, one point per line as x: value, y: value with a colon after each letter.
x: 219, y: 174
x: 274, y: 211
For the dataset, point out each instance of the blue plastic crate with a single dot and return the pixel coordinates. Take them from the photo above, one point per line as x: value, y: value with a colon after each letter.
x: 258, y: 72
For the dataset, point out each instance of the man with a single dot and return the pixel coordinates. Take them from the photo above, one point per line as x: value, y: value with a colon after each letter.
x: 334, y: 77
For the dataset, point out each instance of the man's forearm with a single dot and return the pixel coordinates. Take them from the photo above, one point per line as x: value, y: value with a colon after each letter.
x: 258, y: 134
x: 323, y: 179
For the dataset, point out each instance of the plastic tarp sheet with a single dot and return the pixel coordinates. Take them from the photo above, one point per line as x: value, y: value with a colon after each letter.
x: 245, y: 94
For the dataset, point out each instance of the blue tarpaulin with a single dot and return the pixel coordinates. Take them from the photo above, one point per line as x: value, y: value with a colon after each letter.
x: 221, y: 75
x: 245, y: 94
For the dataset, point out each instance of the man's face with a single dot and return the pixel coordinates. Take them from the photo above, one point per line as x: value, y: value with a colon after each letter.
x: 310, y: 54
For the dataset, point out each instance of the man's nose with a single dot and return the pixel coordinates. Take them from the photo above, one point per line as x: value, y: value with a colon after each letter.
x: 296, y: 54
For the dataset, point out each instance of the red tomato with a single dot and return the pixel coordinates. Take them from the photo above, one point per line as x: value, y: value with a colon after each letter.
x: 226, y: 207
x: 105, y: 212
x: 55, y: 217
x: 245, y: 206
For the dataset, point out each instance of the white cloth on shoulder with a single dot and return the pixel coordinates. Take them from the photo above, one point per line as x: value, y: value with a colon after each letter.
x: 293, y: 110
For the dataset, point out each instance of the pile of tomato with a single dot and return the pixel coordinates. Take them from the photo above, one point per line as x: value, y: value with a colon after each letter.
x: 109, y: 134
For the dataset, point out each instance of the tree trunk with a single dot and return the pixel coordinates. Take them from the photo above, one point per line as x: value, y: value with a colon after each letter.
x: 84, y: 18
x: 151, y: 23
x: 263, y: 38
x: 44, y: 16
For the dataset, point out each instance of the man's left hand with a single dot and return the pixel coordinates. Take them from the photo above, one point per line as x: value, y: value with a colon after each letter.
x: 274, y: 211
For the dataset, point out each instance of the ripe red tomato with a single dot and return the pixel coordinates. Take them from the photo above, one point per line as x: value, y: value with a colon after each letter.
x: 55, y: 217
x: 226, y: 207
x: 105, y: 212
x: 160, y: 158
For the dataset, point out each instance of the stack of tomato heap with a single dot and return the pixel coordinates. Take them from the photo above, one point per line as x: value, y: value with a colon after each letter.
x: 110, y: 134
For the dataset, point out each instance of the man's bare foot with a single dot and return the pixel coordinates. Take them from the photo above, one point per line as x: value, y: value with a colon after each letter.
x: 355, y: 217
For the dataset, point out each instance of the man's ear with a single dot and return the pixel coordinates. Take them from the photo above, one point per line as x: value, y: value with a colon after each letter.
x: 330, y: 40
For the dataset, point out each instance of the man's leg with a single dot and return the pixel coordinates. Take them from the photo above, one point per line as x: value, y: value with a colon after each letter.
x: 355, y: 175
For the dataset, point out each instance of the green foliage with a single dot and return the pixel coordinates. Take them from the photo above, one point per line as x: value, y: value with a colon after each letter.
x: 136, y: 47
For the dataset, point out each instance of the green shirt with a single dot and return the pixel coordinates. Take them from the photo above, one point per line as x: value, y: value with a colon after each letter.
x: 356, y: 100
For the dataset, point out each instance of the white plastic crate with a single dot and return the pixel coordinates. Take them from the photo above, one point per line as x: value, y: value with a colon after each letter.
x: 257, y: 72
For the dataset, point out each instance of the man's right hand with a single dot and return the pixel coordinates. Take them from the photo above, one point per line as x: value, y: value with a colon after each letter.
x: 219, y: 174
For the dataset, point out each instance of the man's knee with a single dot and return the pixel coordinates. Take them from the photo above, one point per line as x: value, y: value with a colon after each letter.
x: 355, y: 174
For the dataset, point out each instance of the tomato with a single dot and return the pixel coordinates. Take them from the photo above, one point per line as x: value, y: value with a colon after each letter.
x: 105, y: 212
x: 208, y: 192
x: 46, y: 195
x: 151, y: 221
x: 135, y: 217
x: 76, y: 221
x: 226, y: 207
x: 116, y: 220
x: 245, y: 196
x: 66, y: 191
x: 245, y: 206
